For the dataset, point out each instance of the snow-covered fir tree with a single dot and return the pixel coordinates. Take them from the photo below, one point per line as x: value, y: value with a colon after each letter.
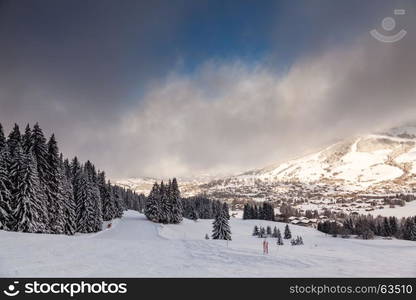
x: 412, y: 234
x: 279, y: 240
x: 255, y: 230
x: 263, y: 212
x: 165, y: 204
x: 274, y: 234
x: 297, y: 242
x: 27, y: 140
x: 84, y: 204
x: 176, y: 203
x: 216, y: 208
x: 194, y: 215
x: 6, y: 220
x: 221, y: 228
x: 108, y: 209
x: 14, y: 139
x: 288, y: 234
x: 55, y: 189
x: 30, y: 211
x: 95, y: 199
x: 40, y: 154
x: 2, y: 138
x: 75, y: 170
x: 226, y: 210
x: 69, y: 205
x: 408, y: 229
x: 42, y: 192
x: 153, y: 204
x: 386, y: 231
x: 246, y: 212
x: 118, y: 202
x: 262, y: 233
x: 205, y: 207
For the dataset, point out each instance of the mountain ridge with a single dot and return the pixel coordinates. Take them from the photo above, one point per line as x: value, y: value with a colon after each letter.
x: 373, y: 163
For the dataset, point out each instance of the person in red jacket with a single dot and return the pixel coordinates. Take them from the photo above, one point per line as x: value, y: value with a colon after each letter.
x: 265, y: 247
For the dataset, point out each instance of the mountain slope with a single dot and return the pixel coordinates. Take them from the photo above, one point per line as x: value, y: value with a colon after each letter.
x: 359, y: 163
x: 135, y: 247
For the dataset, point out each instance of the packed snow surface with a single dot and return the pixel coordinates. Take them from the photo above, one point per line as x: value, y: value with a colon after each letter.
x: 135, y: 247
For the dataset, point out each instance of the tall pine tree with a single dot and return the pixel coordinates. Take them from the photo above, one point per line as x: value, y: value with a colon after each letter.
x: 175, y: 198
x: 288, y: 234
x: 279, y: 240
x: 14, y: 140
x: 108, y: 209
x: 69, y: 204
x: 40, y: 153
x: 152, y: 207
x: 221, y: 228
x: 27, y: 140
x: 6, y: 219
x: 2, y: 138
x: 55, y: 189
x: 165, y: 204
x: 85, y: 213
x: 118, y: 203
x: 30, y: 211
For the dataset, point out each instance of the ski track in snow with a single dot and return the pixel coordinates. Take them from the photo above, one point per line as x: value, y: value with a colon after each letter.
x: 135, y: 247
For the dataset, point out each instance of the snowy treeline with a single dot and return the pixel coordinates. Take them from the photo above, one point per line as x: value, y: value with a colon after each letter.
x: 367, y: 227
x: 41, y: 192
x: 164, y: 205
x: 262, y: 212
x: 296, y: 242
x: 262, y: 232
x: 133, y: 201
x: 200, y: 207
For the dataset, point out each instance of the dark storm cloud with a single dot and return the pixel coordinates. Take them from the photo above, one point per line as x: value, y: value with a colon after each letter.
x: 105, y: 78
x: 77, y: 61
x: 231, y: 116
x: 74, y: 65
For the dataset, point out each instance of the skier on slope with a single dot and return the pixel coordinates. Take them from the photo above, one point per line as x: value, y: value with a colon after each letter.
x: 265, y: 247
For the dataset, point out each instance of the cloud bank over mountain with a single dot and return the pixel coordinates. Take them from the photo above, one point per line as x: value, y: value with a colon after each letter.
x: 224, y: 115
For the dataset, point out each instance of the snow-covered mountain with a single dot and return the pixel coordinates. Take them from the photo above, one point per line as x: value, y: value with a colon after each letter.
x: 188, y: 185
x: 139, y: 185
x: 377, y: 163
x: 359, y: 163
x: 374, y: 163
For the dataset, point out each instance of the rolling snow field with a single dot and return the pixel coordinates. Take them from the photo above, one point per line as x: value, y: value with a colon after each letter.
x: 135, y: 247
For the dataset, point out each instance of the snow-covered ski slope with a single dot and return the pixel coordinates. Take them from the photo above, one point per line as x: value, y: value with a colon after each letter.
x: 135, y: 247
